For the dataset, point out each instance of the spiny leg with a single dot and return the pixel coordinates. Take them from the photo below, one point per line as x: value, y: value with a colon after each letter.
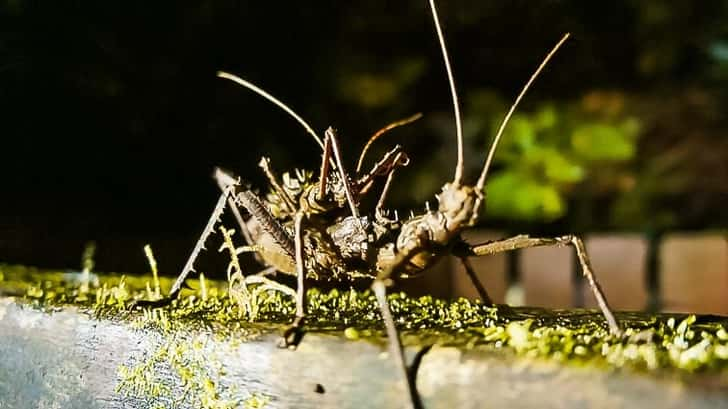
x: 383, y: 195
x: 199, y: 246
x: 293, y: 335
x: 524, y: 241
x: 267, y: 222
x: 395, y: 157
x: 224, y: 180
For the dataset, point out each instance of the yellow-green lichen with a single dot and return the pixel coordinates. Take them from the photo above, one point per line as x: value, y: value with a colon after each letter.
x: 683, y: 344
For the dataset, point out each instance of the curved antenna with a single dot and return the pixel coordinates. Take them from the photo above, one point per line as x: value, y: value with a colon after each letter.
x: 489, y: 159
x: 271, y: 98
x: 456, y: 107
x: 381, y: 132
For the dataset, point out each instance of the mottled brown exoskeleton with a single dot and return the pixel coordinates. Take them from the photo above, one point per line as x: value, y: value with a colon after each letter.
x: 314, y: 229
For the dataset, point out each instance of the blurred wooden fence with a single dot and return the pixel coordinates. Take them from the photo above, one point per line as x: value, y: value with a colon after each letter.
x: 680, y: 272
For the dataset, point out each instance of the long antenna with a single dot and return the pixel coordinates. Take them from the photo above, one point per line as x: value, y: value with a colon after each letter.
x: 489, y: 159
x: 271, y: 98
x: 456, y: 107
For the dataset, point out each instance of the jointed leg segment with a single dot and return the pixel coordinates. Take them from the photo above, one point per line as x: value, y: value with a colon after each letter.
x: 524, y: 241
x: 379, y: 288
x: 293, y: 335
x: 476, y: 282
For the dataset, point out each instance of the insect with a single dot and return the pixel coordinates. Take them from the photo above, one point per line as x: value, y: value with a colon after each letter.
x: 313, y: 227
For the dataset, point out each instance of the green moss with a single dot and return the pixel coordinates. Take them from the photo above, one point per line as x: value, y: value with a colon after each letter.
x: 682, y: 344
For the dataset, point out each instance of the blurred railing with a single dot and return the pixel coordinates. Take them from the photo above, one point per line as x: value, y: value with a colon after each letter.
x: 680, y: 272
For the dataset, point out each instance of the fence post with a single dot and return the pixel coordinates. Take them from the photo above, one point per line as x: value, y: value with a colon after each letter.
x: 546, y: 275
x: 619, y: 262
x: 694, y: 273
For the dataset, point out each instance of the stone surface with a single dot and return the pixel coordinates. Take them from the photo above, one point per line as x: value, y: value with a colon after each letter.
x: 694, y: 273
x: 68, y: 359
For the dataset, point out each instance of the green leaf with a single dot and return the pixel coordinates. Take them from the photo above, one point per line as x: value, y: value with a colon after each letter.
x: 511, y: 195
x: 561, y: 169
x: 546, y: 117
x: 602, y: 142
x: 520, y: 132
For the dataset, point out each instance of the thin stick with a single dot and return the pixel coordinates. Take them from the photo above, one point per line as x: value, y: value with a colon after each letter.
x: 271, y: 98
x: 381, y: 132
x: 481, y: 180
x: 456, y: 107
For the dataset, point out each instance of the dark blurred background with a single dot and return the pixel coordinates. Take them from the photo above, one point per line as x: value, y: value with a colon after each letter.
x: 112, y: 119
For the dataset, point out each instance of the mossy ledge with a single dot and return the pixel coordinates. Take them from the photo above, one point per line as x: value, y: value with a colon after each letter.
x: 205, y: 351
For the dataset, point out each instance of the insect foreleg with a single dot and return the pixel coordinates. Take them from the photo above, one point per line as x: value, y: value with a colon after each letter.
x: 224, y: 180
x: 379, y: 287
x: 199, y: 246
x: 293, y: 335
x: 524, y: 241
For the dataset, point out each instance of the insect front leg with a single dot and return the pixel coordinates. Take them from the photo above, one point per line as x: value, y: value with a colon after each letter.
x: 199, y: 246
x: 524, y: 241
x: 379, y: 287
x: 224, y: 180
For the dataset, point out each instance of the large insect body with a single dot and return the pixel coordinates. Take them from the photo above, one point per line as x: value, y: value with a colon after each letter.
x: 338, y: 246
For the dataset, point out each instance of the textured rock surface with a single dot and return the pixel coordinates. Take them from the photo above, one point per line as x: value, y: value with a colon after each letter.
x: 69, y: 359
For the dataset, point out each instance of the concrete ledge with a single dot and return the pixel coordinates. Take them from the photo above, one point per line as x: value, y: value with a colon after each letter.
x: 68, y: 358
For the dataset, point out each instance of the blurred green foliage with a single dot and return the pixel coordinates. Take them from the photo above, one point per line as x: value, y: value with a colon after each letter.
x: 546, y: 154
